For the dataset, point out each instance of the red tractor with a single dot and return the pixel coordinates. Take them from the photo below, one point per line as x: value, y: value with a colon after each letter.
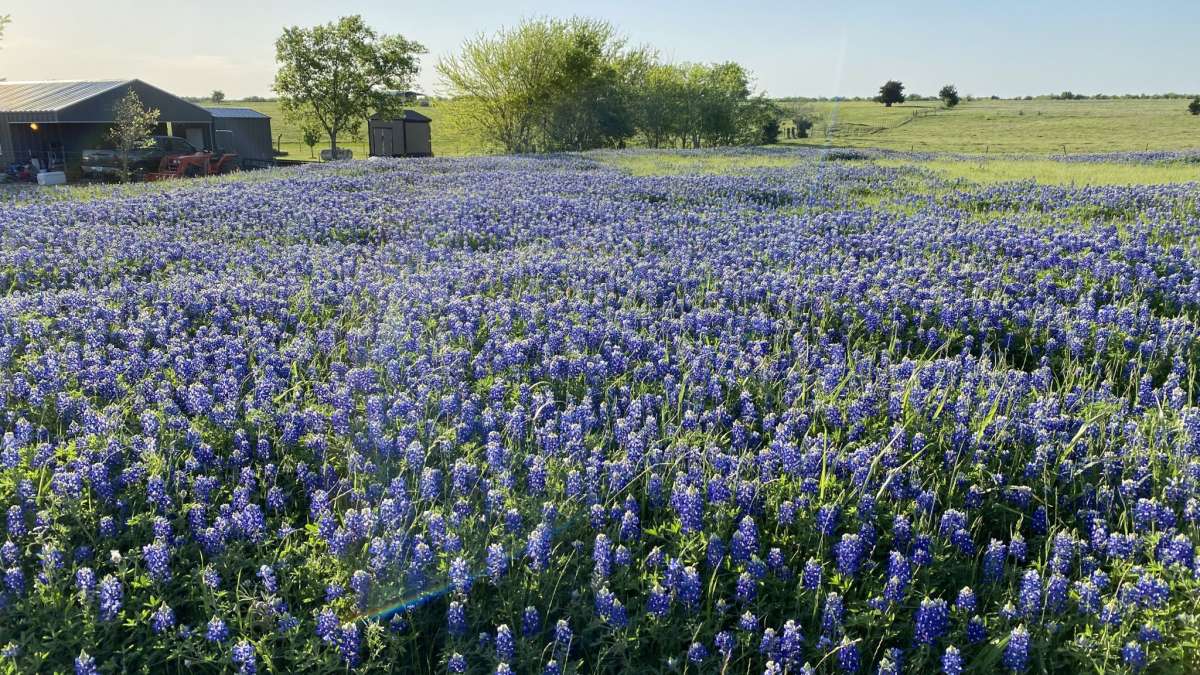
x: 194, y: 165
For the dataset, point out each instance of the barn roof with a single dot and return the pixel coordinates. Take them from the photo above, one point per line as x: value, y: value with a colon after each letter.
x: 241, y: 113
x: 52, y: 96
x: 89, y: 101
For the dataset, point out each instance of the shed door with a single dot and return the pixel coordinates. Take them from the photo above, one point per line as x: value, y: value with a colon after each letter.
x: 383, y: 142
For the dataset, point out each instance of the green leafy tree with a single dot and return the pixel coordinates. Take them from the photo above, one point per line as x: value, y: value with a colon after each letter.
x: 1194, y: 106
x: 133, y: 128
x: 311, y: 135
x: 802, y: 125
x: 4, y: 21
x: 891, y: 92
x: 760, y: 120
x: 549, y: 84
x: 659, y: 104
x: 217, y: 96
x: 949, y: 95
x: 339, y: 73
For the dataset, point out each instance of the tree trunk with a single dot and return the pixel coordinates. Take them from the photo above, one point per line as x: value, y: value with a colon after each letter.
x: 887, y: 104
x: 333, y: 146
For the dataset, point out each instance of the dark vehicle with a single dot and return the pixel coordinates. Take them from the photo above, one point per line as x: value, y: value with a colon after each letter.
x: 105, y: 162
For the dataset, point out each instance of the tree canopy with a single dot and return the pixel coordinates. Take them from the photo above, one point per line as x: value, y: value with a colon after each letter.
x: 949, y: 95
x: 891, y: 92
x: 339, y: 73
x: 575, y: 84
x: 1194, y: 106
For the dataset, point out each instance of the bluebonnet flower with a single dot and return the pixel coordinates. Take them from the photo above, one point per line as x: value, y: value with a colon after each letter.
x: 1134, y: 656
x: 112, y: 596
x: 1016, y: 651
x: 811, y: 579
x: 952, y: 662
x: 932, y: 621
x: 725, y: 643
x: 163, y: 619
x: 456, y: 619
x: 349, y: 644
x: 504, y: 643
x: 849, y: 552
x: 1030, y: 594
x: 849, y: 660
x: 966, y: 601
x: 86, y: 665
x: 158, y: 561
x: 217, y: 631
x: 976, y: 630
x: 267, y: 575
x: 244, y: 658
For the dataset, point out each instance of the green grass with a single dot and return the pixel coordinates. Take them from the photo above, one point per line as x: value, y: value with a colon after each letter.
x: 987, y: 126
x: 1058, y: 173
x: 666, y: 162
x: 449, y: 138
x: 981, y: 170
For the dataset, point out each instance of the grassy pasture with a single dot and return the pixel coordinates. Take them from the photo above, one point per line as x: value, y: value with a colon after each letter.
x: 980, y: 170
x: 997, y: 127
x: 1058, y: 173
x: 448, y: 136
x: 975, y: 127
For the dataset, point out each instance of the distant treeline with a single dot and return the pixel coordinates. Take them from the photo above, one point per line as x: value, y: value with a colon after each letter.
x: 574, y: 84
x: 247, y: 99
x: 1063, y: 96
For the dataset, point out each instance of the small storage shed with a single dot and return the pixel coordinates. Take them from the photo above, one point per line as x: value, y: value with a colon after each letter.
x: 246, y: 132
x: 406, y: 136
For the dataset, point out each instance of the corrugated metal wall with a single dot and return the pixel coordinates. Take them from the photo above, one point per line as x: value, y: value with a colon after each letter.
x: 251, y: 138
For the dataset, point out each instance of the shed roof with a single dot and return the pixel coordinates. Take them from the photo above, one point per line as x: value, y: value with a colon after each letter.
x: 407, y: 116
x: 237, y: 112
x: 52, y: 96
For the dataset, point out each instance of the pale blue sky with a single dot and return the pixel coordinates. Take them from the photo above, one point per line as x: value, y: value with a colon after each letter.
x: 793, y: 48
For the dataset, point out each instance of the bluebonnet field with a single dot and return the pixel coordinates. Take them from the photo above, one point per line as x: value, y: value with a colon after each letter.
x: 535, y: 415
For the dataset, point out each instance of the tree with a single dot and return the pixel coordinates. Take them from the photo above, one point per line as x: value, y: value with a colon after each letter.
x: 949, y: 95
x: 311, y: 135
x: 217, y: 96
x: 802, y: 125
x: 1194, y: 106
x: 759, y: 118
x: 340, y: 73
x: 659, y: 104
x: 549, y: 84
x: 891, y: 92
x: 134, y: 125
x: 4, y: 21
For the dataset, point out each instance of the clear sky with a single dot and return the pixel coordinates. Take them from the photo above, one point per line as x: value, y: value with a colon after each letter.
x: 805, y: 48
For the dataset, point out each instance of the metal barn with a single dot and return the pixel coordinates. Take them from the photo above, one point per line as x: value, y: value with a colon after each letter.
x: 246, y: 132
x: 53, y: 122
x: 407, y: 136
